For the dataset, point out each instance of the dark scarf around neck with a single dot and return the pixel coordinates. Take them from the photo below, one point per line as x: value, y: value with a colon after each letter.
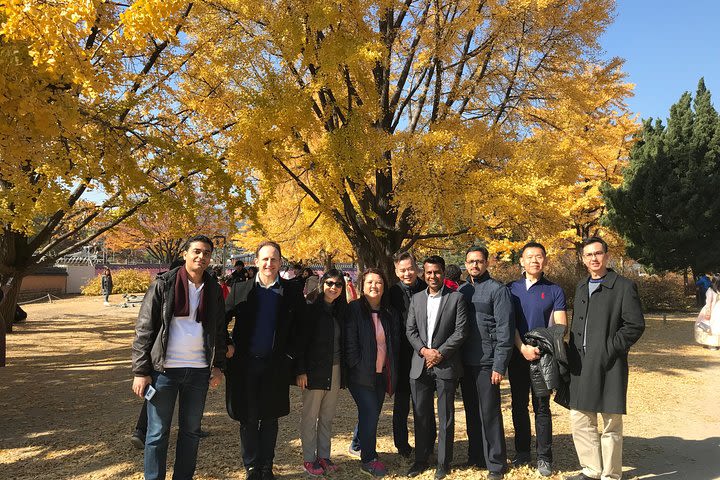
x: 182, y: 298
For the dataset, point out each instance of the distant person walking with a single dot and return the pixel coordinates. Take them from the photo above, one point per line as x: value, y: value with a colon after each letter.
x: 107, y: 285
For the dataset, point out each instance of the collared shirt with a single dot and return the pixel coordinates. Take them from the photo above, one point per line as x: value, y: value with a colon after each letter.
x: 186, y: 347
x: 535, y: 302
x: 433, y: 306
x: 273, y: 284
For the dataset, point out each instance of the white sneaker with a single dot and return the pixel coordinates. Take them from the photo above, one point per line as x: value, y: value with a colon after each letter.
x: 107, y: 304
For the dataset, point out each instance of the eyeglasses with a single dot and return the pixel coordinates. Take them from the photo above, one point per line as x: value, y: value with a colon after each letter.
x: 590, y: 255
x: 475, y: 262
x: 331, y: 284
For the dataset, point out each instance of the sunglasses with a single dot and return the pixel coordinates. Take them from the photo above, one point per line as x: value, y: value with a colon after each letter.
x: 331, y: 284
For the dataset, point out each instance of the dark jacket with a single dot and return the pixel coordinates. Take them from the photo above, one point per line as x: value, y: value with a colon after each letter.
x: 448, y: 336
x: 361, y: 347
x: 107, y: 283
x: 491, y: 324
x: 316, y: 344
x: 545, y: 373
x: 614, y: 319
x: 242, y: 304
x: 400, y: 296
x: 153, y: 324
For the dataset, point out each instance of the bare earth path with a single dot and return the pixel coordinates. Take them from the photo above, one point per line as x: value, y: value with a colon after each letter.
x: 67, y: 409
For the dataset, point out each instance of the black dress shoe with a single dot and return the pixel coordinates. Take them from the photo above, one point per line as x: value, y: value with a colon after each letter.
x: 417, y: 468
x: 253, y: 473
x: 267, y: 474
x: 495, y: 476
x: 521, y: 458
x: 405, y: 452
x: 441, y: 472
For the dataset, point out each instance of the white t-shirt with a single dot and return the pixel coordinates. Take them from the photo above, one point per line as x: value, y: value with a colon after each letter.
x: 186, y: 347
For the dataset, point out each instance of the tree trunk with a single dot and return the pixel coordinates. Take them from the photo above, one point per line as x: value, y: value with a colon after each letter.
x: 7, y: 316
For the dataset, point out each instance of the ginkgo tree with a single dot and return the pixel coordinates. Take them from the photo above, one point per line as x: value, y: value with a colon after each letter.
x: 406, y: 121
x: 88, y: 103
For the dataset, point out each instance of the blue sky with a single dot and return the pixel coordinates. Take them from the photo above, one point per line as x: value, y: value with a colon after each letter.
x: 668, y: 46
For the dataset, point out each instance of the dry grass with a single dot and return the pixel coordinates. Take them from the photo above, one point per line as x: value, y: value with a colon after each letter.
x: 68, y: 410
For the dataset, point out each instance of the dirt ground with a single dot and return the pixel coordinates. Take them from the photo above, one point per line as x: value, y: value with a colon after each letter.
x: 67, y: 409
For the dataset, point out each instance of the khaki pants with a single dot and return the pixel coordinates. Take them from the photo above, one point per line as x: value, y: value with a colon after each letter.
x: 316, y: 420
x: 600, y: 454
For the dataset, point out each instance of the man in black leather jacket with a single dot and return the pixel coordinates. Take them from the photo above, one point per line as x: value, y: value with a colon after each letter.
x: 179, y: 349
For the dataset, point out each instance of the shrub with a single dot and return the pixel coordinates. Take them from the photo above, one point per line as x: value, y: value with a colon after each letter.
x: 124, y: 281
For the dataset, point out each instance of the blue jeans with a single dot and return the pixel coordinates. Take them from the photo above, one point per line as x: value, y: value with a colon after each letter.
x: 369, y: 403
x: 192, y: 386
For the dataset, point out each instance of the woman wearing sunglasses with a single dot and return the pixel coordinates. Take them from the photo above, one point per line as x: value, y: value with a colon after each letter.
x: 372, y: 337
x: 319, y: 371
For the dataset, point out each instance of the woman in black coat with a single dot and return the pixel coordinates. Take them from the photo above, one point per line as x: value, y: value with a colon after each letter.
x: 372, y: 340
x: 107, y: 285
x: 319, y: 370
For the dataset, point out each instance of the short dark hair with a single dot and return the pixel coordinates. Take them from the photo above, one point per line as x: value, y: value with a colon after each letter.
x: 453, y: 272
x: 239, y: 263
x: 533, y: 245
x: 373, y: 270
x: 332, y: 273
x: 268, y: 243
x: 399, y: 257
x: 198, y: 238
x: 435, y: 260
x: 594, y: 239
x: 478, y: 248
x: 297, y: 266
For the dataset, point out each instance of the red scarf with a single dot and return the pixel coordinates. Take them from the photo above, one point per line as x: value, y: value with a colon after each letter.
x: 182, y: 298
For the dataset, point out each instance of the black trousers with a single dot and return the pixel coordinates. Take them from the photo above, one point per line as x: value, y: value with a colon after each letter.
x: 423, y: 394
x: 520, y: 390
x: 486, y: 436
x: 401, y: 410
x: 258, y: 436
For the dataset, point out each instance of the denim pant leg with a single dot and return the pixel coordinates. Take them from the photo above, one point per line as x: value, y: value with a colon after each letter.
x: 160, y: 411
x: 193, y: 392
x: 369, y: 402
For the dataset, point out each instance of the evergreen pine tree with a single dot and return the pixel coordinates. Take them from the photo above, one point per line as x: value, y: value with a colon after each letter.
x: 668, y: 207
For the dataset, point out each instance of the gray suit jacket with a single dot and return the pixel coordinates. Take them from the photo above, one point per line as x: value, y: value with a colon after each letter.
x: 449, y: 334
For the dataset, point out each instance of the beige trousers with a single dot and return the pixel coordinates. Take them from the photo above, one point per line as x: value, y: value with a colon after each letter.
x: 316, y: 419
x: 600, y: 454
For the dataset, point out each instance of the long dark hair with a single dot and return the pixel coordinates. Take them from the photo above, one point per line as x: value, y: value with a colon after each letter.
x: 106, y: 271
x: 715, y: 283
x: 339, y: 302
x: 384, y: 300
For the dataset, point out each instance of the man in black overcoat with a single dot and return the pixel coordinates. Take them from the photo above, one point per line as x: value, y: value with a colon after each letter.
x: 266, y: 311
x: 607, y: 321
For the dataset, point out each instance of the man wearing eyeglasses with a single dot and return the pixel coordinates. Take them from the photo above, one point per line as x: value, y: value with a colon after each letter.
x: 607, y: 321
x: 486, y: 355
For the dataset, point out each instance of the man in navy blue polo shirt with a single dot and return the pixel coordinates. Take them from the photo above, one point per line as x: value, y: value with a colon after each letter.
x: 538, y: 303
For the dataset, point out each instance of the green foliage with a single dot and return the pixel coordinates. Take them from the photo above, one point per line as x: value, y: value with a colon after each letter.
x: 124, y: 281
x: 668, y: 207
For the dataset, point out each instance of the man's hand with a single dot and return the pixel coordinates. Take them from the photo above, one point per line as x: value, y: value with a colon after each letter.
x: 496, y: 378
x: 301, y: 381
x: 140, y: 384
x: 216, y: 376
x: 529, y: 352
x: 432, y: 357
x: 230, y: 351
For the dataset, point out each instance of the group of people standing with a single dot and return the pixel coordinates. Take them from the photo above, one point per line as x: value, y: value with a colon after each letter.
x: 412, y: 341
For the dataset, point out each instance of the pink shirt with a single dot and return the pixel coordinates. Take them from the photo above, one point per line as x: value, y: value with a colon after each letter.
x: 381, y: 345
